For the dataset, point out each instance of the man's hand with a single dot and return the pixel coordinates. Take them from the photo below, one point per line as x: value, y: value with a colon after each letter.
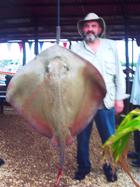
x: 119, y: 106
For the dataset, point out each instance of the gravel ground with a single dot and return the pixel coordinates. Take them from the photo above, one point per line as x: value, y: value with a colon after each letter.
x: 30, y: 160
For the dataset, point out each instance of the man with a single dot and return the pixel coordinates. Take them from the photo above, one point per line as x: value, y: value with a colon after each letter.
x: 102, y: 53
x: 135, y: 100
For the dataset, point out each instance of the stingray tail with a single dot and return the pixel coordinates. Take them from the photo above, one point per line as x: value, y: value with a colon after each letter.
x: 61, y: 162
x: 59, y: 175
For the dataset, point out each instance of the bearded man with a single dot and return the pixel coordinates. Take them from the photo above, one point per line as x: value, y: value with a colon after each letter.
x: 102, y: 53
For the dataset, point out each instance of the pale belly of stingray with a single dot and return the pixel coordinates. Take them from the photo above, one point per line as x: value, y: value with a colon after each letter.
x: 57, y: 92
x: 63, y: 101
x: 59, y: 102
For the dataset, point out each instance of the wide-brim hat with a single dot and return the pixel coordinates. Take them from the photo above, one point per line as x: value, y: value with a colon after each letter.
x: 92, y: 17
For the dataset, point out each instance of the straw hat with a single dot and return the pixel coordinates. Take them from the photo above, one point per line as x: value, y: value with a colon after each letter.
x: 92, y: 17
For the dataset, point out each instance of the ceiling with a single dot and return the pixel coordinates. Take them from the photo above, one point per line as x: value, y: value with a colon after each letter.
x: 30, y: 19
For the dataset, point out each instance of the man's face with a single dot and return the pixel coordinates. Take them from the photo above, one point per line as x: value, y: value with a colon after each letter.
x: 91, y: 30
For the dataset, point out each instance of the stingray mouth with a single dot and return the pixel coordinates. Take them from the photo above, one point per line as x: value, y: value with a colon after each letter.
x: 57, y: 68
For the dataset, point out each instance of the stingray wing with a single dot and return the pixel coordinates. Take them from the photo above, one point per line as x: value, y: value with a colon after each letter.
x: 94, y: 92
x: 26, y: 94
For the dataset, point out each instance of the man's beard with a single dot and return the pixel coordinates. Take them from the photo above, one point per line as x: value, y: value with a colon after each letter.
x: 90, y: 36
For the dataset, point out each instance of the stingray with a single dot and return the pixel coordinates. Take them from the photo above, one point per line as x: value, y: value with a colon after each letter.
x: 58, y: 92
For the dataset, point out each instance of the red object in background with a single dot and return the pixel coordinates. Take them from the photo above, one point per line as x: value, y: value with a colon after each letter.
x: 65, y: 44
x: 20, y: 46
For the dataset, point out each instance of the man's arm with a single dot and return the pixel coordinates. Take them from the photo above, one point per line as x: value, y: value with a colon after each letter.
x: 120, y: 85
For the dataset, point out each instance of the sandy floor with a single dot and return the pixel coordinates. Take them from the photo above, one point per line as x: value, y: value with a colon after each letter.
x: 30, y: 160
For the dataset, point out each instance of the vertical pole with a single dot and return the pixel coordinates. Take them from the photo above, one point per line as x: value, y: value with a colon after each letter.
x: 58, y: 29
x: 127, y: 63
x: 24, y: 53
x: 36, y: 41
x: 36, y: 47
x: 132, y: 53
